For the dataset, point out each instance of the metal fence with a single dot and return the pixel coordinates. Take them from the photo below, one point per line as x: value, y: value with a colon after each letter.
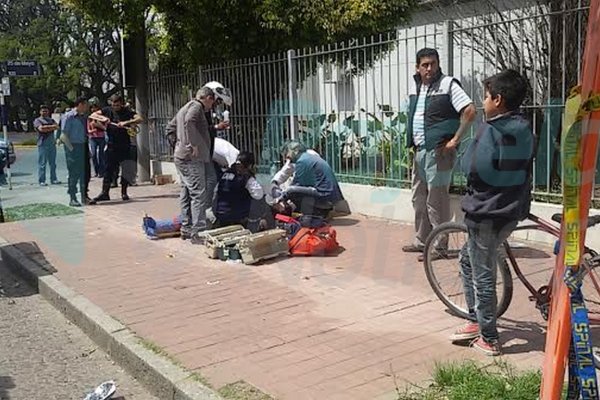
x: 348, y: 100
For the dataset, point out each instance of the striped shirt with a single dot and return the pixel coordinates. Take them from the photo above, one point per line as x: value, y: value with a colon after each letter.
x: 459, y: 99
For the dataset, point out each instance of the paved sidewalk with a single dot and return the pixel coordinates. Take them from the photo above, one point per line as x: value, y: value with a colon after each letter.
x: 345, y: 327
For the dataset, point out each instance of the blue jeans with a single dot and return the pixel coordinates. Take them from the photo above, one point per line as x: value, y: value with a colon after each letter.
x: 47, y: 155
x: 479, y: 269
x: 98, y: 158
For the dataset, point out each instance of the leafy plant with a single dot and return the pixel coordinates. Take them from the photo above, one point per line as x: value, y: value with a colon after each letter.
x: 388, y: 138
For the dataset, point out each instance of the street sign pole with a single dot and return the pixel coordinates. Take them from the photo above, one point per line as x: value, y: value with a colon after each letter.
x: 5, y: 133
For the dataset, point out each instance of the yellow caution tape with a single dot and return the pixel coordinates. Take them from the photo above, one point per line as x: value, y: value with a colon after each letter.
x: 575, y: 111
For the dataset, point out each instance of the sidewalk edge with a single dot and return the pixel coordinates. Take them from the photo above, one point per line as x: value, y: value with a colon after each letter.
x: 159, y: 375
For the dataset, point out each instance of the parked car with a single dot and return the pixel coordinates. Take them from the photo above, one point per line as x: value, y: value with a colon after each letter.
x: 4, y: 150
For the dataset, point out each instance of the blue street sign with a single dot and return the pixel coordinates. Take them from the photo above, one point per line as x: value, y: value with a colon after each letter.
x: 21, y: 68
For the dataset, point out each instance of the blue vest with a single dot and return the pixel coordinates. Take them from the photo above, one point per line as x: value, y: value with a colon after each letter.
x: 233, y: 199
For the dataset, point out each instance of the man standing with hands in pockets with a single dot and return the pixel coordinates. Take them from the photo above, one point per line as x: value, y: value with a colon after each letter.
x: 193, y: 158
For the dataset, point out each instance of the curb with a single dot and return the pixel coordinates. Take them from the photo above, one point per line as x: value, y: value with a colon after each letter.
x: 24, y: 146
x: 159, y: 375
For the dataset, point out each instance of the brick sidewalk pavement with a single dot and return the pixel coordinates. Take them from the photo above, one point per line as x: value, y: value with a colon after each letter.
x: 345, y: 327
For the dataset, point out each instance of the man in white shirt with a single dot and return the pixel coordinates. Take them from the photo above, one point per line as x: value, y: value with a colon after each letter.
x: 440, y: 112
x: 225, y: 153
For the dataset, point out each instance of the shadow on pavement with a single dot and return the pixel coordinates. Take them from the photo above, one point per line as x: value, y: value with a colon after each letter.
x: 344, y: 222
x: 530, y: 252
x: 118, y: 202
x: 530, y: 337
x: 6, y: 383
x: 32, y: 251
x: 158, y: 196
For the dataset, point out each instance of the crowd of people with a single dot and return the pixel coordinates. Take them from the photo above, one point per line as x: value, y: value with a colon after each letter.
x: 215, y: 176
x: 219, y: 185
x: 106, y: 135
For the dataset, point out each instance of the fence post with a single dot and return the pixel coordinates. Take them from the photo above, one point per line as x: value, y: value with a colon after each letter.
x: 291, y: 55
x: 449, y: 43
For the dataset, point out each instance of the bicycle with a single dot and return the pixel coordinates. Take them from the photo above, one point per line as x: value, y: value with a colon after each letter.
x: 443, y: 270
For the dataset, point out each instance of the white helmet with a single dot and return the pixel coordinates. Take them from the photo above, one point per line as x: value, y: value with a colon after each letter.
x: 220, y: 91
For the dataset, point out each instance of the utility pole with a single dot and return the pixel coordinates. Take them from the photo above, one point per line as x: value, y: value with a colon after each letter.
x: 5, y: 91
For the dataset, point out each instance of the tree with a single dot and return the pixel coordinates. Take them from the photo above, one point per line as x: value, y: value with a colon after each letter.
x: 544, y: 39
x: 205, y: 31
x: 77, y: 56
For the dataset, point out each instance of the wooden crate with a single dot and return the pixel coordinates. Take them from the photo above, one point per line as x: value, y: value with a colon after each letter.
x: 263, y: 246
x: 163, y: 179
x: 221, y: 237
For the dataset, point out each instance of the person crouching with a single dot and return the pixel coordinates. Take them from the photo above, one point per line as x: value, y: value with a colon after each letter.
x: 240, y: 197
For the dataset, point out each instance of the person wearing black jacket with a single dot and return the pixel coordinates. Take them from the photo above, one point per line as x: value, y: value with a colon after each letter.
x: 498, y: 169
x: 119, y: 119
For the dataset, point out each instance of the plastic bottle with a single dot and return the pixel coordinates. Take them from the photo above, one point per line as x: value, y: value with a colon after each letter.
x: 226, y: 116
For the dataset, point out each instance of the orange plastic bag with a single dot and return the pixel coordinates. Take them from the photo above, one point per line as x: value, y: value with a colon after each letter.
x: 314, y: 241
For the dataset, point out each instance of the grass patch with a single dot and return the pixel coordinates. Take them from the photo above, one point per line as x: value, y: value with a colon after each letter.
x: 242, y: 391
x: 28, y: 142
x: 469, y: 380
x: 153, y: 347
x: 200, y: 379
x: 38, y: 210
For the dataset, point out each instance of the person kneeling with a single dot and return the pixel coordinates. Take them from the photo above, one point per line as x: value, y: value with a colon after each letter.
x: 314, y: 189
x: 240, y: 197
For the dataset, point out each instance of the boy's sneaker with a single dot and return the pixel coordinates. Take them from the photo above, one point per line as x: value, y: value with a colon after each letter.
x: 489, y: 349
x: 468, y: 331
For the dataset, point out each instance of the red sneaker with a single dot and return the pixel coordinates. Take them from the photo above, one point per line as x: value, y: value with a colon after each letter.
x: 468, y: 331
x: 489, y: 349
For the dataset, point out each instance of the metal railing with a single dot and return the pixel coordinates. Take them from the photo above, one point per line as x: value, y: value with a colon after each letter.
x: 348, y: 100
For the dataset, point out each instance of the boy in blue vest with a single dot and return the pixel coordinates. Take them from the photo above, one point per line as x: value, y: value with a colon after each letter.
x: 238, y: 194
x: 497, y: 165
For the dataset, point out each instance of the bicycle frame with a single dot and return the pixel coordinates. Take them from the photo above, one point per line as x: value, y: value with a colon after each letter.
x: 543, y: 295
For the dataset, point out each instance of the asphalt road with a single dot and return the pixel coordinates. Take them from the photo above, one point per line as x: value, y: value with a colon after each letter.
x: 26, y: 188
x: 43, y: 356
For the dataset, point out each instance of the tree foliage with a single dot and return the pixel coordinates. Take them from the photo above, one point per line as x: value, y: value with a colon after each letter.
x: 78, y: 55
x: 196, y: 32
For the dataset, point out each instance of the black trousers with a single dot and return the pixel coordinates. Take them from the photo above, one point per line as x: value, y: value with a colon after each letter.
x: 114, y: 157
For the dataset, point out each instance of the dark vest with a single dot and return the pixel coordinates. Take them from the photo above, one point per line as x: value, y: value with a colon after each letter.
x: 233, y: 199
x: 441, y: 119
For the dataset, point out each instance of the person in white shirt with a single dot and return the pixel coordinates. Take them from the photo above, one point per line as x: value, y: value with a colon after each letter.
x: 225, y: 154
x: 440, y: 112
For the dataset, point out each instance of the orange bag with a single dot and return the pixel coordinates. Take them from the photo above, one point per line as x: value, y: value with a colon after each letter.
x: 314, y: 241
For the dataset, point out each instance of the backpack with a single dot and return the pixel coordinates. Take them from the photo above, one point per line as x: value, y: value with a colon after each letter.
x: 313, y: 241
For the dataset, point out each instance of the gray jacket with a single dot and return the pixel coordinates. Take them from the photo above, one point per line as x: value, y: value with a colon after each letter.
x: 191, y: 127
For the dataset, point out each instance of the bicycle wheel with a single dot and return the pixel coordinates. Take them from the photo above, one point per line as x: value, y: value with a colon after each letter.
x: 590, y: 288
x: 444, y: 275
